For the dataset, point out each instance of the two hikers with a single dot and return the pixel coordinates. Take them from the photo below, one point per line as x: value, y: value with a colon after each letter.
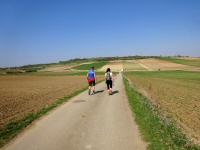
x: 91, y: 77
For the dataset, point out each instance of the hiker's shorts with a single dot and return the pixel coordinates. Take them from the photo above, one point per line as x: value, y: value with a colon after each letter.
x: 92, y: 83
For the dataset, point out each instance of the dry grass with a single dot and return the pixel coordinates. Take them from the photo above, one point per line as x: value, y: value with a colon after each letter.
x: 190, y: 61
x: 115, y: 66
x: 178, y: 98
x: 57, y: 68
x: 132, y: 65
x: 157, y: 64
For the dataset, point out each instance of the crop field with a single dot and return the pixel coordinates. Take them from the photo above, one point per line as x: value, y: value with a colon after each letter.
x: 62, y: 67
x: 97, y: 65
x: 57, y: 68
x: 2, y: 71
x: 172, y: 87
x: 132, y: 65
x: 115, y: 66
x: 176, y: 94
x: 185, y: 61
x: 24, y: 94
x: 153, y: 64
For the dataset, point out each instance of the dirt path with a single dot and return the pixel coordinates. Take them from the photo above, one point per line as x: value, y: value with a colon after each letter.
x: 97, y: 122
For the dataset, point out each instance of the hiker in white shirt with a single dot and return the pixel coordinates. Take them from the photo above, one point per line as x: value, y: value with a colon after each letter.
x: 109, y: 80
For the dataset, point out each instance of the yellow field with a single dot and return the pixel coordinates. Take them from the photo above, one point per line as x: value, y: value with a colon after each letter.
x: 115, y: 66
x: 153, y: 64
x: 132, y: 65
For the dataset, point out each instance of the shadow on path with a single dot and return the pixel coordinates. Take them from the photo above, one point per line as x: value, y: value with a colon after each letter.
x: 79, y: 101
x: 115, y: 92
x: 99, y: 91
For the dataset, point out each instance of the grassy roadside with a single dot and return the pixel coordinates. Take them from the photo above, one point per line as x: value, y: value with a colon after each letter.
x: 12, y: 129
x: 159, y: 133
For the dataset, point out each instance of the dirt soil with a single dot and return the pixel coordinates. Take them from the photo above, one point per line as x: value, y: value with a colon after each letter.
x: 20, y: 95
x: 152, y: 64
x: 178, y: 99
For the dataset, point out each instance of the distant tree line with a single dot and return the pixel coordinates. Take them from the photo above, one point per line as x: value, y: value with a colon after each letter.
x: 105, y: 59
x: 35, y: 67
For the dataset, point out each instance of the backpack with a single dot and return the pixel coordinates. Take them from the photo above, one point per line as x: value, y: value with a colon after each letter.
x: 108, y: 76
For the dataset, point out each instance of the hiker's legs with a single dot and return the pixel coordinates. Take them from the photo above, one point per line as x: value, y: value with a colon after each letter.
x: 93, y: 89
x: 90, y: 88
x: 110, y: 86
x: 93, y: 86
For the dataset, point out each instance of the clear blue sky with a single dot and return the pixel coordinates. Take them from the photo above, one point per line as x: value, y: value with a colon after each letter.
x: 41, y: 31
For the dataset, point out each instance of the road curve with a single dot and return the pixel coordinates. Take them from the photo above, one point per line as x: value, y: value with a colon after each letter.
x: 97, y: 122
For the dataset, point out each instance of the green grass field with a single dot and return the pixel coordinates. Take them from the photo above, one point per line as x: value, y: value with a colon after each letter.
x: 190, y: 62
x: 97, y: 65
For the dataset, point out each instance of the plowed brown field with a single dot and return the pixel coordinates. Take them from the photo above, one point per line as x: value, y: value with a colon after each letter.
x: 178, y: 98
x: 20, y: 95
